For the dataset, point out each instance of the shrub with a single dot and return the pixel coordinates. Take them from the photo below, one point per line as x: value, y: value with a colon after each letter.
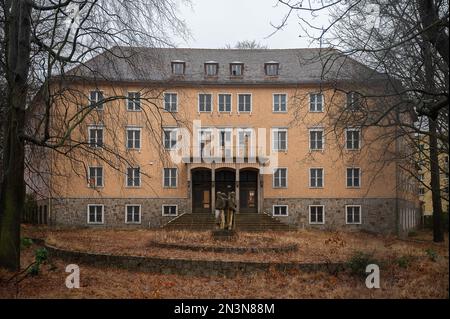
x: 431, y: 254
x: 25, y: 242
x: 404, y: 261
x: 40, y: 256
x: 359, y: 261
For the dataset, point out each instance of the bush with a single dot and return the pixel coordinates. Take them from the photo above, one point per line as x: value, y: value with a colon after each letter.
x: 359, y: 261
x: 432, y: 254
x: 40, y: 256
x: 404, y: 261
x: 428, y: 221
x: 25, y: 242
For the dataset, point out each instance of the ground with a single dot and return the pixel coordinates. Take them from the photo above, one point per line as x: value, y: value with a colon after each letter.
x: 412, y: 268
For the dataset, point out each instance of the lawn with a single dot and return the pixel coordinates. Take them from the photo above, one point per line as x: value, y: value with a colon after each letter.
x: 411, y: 269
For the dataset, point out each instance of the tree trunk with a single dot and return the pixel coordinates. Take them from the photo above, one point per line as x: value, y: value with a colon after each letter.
x: 438, y: 232
x: 13, y: 184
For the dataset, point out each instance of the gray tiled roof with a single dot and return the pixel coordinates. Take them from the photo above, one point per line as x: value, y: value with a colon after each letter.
x: 296, y: 66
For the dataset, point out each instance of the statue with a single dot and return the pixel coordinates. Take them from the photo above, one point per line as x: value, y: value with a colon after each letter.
x: 221, y: 204
x: 231, y: 209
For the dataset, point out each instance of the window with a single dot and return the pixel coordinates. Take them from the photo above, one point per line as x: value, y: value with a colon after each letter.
x: 315, y: 102
x: 224, y: 102
x: 279, y: 138
x: 421, y: 191
x: 316, y: 139
x: 134, y: 101
x: 236, y: 69
x: 279, y: 102
x: 205, y: 102
x: 352, y: 137
x: 354, y: 101
x: 169, y: 210
x: 211, y: 69
x: 244, y: 102
x: 280, y: 178
x: 133, y: 214
x: 316, y: 177
x: 171, y: 102
x: 95, y: 214
x: 96, y: 136
x: 96, y: 99
x: 421, y: 177
x: 133, y: 177
x: 170, y: 138
x: 133, y: 138
x: 245, y: 142
x: 353, y: 214
x: 225, y: 141
x: 170, y: 177
x: 95, y: 178
x: 316, y: 214
x: 178, y: 67
x: 280, y: 210
x: 353, y: 177
x: 271, y: 69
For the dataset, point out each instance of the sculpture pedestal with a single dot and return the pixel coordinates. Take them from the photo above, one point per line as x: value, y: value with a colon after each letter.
x: 224, y: 234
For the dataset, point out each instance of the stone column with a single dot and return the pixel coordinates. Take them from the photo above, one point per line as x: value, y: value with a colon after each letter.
x: 236, y: 189
x: 189, y: 189
x: 259, y: 192
x: 213, y: 188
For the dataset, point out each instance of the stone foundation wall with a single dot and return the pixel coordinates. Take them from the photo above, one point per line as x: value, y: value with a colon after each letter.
x: 377, y: 215
x: 73, y: 211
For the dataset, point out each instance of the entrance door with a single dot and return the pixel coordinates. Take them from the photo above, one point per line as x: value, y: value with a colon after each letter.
x: 225, y: 181
x: 201, y: 191
x: 248, y: 191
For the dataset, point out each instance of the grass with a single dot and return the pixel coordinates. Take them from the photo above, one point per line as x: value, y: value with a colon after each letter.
x: 408, y: 269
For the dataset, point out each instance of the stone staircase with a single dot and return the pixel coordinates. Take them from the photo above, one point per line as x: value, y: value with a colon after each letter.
x: 244, y: 222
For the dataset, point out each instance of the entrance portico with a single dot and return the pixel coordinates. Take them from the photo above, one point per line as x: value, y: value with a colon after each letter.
x: 206, y: 179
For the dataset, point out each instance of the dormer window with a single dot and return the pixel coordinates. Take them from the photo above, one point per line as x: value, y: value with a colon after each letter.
x: 178, y: 67
x: 236, y: 68
x: 271, y: 68
x: 211, y: 68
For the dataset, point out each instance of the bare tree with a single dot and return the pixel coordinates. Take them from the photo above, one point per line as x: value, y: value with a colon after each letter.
x: 43, y: 42
x: 247, y: 45
x: 408, y: 42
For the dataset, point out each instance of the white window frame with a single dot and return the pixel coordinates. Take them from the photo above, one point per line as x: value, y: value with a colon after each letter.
x: 360, y: 215
x: 212, y: 103
x: 171, y: 101
x: 96, y: 127
x: 241, y: 66
x: 215, y: 64
x: 231, y: 103
x: 89, y: 177
x: 103, y: 214
x: 133, y: 128
x: 316, y: 129
x: 134, y: 102
x: 280, y: 205
x: 164, y: 177
x: 315, y: 104
x: 169, y: 215
x: 140, y: 178
x: 323, y: 178
x: 170, y: 138
x: 251, y: 140
x: 251, y: 103
x: 273, y: 178
x: 346, y: 177
x: 323, y: 213
x: 227, y: 148
x: 276, y: 130
x: 273, y: 102
x: 98, y: 108
x: 359, y: 139
x: 178, y: 63
x: 126, y: 214
x: 277, y: 68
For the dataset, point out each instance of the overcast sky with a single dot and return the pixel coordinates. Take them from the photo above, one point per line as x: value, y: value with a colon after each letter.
x: 215, y: 23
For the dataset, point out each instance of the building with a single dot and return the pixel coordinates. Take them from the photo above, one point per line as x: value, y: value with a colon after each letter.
x: 281, y: 128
